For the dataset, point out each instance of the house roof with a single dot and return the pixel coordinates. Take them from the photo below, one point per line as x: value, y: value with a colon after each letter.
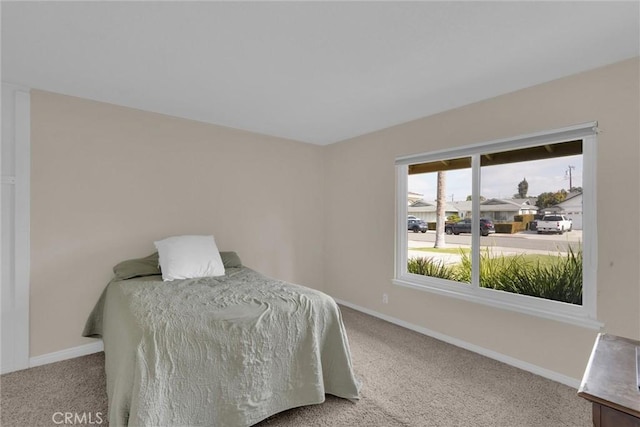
x: 572, y: 195
x: 424, y: 206
x: 506, y: 205
x: 491, y: 205
x: 420, y: 204
x: 514, y: 202
x: 572, y: 198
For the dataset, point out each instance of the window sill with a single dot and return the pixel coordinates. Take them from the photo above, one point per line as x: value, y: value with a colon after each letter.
x: 553, y: 310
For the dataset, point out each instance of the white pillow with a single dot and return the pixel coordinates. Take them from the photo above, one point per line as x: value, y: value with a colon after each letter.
x: 188, y: 257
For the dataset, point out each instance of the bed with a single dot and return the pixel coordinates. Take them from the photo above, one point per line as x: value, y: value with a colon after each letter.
x: 218, y: 351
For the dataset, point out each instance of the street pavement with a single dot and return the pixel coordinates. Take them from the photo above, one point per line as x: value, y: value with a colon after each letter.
x: 527, y: 242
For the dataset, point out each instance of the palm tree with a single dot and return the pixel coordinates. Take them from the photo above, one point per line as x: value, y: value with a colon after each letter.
x: 440, y: 209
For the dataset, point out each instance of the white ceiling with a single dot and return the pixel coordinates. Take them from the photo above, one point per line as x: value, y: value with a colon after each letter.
x: 318, y: 72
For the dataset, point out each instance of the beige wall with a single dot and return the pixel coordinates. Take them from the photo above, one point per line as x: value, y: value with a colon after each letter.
x: 360, y: 254
x: 107, y: 181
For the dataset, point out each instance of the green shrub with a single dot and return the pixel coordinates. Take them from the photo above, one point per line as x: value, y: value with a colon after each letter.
x: 430, y: 267
x: 559, y: 280
x: 493, y: 269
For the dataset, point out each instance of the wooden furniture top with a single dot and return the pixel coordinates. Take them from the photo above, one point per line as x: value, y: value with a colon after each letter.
x: 610, y: 377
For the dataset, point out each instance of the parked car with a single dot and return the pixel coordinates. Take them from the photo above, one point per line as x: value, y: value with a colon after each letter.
x: 554, y: 224
x: 416, y: 225
x: 464, y: 226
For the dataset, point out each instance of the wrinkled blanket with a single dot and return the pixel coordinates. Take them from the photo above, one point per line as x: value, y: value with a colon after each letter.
x: 224, y: 351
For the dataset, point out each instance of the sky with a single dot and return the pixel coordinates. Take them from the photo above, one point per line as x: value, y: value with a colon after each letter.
x: 501, y: 181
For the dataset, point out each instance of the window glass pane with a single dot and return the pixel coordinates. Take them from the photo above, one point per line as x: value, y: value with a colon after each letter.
x: 443, y: 255
x: 531, y: 210
x: 525, y: 264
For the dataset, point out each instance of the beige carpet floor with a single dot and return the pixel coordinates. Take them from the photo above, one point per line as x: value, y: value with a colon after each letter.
x: 408, y: 380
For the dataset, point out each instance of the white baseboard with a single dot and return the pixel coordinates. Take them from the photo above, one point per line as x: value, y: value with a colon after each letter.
x: 526, y: 366
x: 69, y: 353
x: 97, y: 346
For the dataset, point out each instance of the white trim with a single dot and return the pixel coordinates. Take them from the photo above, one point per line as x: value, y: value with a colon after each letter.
x: 475, y: 218
x: 512, y: 361
x: 402, y: 185
x: 584, y: 315
x: 22, y: 221
x: 96, y: 347
x: 18, y: 103
x: 589, y: 223
x: 69, y: 353
x: 524, y: 304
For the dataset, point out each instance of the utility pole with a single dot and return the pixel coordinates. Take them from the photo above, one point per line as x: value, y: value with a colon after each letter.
x: 570, y: 180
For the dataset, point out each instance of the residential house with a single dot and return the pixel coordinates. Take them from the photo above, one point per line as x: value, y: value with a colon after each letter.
x: 504, y: 210
x: 414, y: 197
x: 499, y: 210
x: 426, y: 211
x: 571, y: 207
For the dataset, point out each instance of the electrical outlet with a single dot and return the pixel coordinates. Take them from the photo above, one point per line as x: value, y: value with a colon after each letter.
x: 385, y: 298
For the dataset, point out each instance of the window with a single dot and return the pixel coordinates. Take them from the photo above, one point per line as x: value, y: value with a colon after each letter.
x: 482, y: 205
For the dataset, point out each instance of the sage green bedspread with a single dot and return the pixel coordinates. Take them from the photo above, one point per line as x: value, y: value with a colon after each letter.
x: 224, y: 351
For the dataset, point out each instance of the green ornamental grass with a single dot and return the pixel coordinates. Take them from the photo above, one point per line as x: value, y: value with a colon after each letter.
x: 557, y: 277
x: 431, y: 267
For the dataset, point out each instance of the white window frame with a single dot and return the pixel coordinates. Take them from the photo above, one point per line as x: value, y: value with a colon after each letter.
x: 584, y: 315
